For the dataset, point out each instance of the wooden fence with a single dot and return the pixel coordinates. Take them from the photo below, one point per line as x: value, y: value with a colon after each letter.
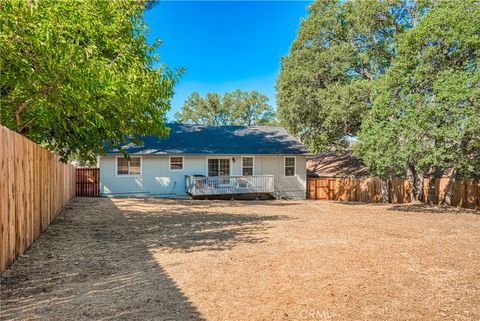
x: 34, y: 187
x: 368, y: 190
x: 88, y: 182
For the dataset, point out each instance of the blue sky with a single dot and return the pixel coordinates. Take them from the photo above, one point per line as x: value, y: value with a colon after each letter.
x: 224, y: 45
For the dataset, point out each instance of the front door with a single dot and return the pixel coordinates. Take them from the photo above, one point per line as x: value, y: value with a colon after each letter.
x: 218, y: 167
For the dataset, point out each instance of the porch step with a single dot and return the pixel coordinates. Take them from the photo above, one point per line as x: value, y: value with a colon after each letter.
x: 278, y: 190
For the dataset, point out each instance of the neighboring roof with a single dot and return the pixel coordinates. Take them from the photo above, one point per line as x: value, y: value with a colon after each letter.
x: 336, y: 165
x: 219, y: 140
x: 345, y: 165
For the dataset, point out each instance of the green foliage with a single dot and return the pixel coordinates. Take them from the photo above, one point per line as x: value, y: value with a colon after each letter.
x: 79, y: 74
x: 341, y: 48
x: 426, y: 110
x: 400, y: 76
x: 245, y: 108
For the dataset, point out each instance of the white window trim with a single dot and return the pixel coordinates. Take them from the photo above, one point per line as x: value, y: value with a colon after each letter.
x: 253, y: 164
x: 229, y: 167
x: 170, y: 164
x: 128, y: 175
x: 294, y: 166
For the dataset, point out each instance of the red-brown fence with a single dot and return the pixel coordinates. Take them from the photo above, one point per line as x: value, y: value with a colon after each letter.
x: 88, y: 182
x: 34, y: 187
x: 368, y: 190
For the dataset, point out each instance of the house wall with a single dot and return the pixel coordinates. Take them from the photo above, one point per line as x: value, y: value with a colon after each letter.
x: 157, y: 179
x: 292, y: 186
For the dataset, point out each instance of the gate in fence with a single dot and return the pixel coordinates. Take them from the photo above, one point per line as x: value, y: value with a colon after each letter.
x: 88, y: 182
x: 321, y: 188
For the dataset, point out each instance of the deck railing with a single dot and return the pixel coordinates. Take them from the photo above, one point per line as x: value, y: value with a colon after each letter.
x: 221, y: 185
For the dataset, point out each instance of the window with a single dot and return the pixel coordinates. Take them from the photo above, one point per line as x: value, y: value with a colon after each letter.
x: 218, y: 167
x: 129, y: 167
x: 176, y: 163
x: 289, y: 166
x: 247, y: 166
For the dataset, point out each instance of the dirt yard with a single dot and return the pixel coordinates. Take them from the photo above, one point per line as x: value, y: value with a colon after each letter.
x: 137, y: 259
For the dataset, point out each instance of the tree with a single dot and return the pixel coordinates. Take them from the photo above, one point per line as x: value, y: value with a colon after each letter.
x: 79, y: 74
x: 241, y: 108
x: 426, y: 111
x: 341, y: 48
x: 207, y: 111
x: 250, y: 108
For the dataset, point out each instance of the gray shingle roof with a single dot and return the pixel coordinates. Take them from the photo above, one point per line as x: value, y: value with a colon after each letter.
x: 219, y: 140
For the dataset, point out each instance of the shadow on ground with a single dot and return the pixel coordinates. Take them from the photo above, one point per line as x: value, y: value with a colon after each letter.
x: 417, y: 208
x: 208, y: 204
x: 425, y: 208
x: 194, y: 226
x: 94, y: 261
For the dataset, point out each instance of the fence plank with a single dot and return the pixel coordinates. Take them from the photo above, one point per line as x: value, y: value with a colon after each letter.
x: 3, y: 204
x: 11, y: 178
x: 33, y: 190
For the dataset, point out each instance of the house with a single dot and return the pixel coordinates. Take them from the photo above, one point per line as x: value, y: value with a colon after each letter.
x: 208, y: 161
x: 331, y: 164
x: 345, y: 164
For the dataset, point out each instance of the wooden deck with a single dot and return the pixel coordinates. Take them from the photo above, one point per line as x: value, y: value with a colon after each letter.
x: 228, y: 185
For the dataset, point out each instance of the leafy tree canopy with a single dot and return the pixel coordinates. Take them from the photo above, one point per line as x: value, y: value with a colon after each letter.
x: 246, y: 108
x: 79, y: 74
x: 341, y: 48
x: 426, y: 110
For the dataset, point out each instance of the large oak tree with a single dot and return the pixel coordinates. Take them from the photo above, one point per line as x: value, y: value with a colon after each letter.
x: 341, y: 48
x: 426, y: 110
x: 76, y: 75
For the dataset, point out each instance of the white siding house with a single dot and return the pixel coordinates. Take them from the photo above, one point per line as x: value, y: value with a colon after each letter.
x: 264, y: 156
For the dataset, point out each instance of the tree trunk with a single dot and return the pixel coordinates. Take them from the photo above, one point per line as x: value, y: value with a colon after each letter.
x: 475, y: 181
x: 18, y: 111
x: 384, y: 184
x: 411, y: 182
x: 419, y: 187
x: 447, y: 199
x: 432, y: 187
x: 415, y: 179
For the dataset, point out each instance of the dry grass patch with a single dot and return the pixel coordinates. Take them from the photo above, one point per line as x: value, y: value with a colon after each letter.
x: 151, y: 259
